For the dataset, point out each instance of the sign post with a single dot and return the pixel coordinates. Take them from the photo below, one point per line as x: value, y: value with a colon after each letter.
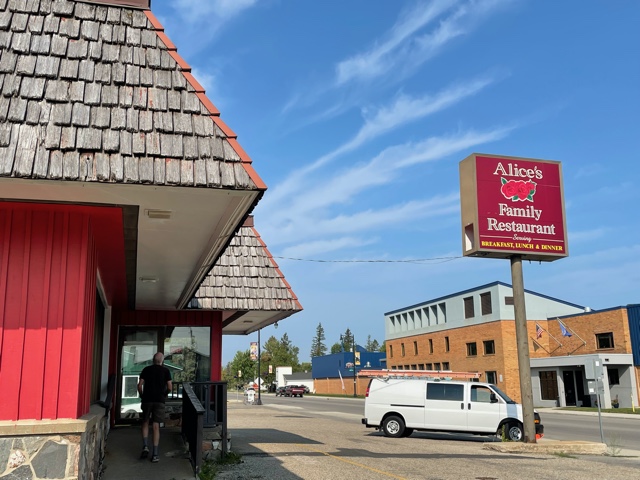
x: 513, y: 208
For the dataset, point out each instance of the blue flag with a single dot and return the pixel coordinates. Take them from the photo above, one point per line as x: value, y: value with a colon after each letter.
x: 564, y: 330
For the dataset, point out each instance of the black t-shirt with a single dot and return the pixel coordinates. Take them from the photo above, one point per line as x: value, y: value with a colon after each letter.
x: 155, y: 379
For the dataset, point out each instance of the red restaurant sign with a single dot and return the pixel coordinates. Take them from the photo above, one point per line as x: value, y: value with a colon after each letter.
x: 512, y: 206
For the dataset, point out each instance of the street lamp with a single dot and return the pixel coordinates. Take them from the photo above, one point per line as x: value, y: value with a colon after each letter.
x: 351, y: 337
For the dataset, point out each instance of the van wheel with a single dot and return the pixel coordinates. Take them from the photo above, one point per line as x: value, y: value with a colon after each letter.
x: 393, y: 426
x: 515, y: 432
x: 407, y: 432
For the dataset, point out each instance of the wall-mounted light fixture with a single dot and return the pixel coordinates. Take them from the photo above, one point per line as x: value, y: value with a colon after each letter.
x: 158, y: 214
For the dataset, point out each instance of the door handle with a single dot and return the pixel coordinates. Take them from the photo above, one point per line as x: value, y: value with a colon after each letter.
x: 462, y: 406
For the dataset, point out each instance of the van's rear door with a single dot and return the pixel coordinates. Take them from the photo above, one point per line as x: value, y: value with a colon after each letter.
x: 445, y: 407
x: 482, y: 415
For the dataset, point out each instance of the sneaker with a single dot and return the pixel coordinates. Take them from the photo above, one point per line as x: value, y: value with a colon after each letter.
x: 155, y: 459
x: 145, y: 452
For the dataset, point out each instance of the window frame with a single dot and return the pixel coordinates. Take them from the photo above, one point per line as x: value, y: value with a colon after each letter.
x: 603, y: 336
x: 492, y: 373
x: 485, y: 306
x: 472, y: 349
x: 469, y: 310
x: 493, y: 346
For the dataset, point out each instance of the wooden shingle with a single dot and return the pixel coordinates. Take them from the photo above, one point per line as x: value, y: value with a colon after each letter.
x: 114, y: 100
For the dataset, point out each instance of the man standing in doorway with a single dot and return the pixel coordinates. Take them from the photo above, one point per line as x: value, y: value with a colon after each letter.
x: 153, y: 387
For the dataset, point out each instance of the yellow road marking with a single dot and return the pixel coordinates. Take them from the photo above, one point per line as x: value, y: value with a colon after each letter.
x: 382, y: 472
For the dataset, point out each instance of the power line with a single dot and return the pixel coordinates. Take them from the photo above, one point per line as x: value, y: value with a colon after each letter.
x: 420, y: 261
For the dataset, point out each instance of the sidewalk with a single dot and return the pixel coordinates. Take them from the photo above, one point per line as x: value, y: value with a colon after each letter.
x: 122, y: 458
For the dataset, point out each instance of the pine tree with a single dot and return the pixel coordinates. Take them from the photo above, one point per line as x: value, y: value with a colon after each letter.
x: 372, y: 345
x: 318, y: 348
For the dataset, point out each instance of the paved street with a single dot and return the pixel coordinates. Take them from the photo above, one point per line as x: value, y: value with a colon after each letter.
x: 291, y: 441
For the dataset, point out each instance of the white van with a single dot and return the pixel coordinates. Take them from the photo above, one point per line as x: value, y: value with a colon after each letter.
x: 400, y: 406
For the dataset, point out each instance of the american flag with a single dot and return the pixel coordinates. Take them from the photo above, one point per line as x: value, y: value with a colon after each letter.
x: 538, y: 330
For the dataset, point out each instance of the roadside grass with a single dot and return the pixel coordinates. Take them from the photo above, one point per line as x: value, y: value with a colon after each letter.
x: 209, y: 469
x: 604, y: 410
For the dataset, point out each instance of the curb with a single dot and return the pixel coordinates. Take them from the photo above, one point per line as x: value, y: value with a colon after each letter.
x: 551, y: 447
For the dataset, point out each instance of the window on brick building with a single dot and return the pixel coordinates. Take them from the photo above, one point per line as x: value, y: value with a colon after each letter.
x: 446, y: 344
x: 430, y: 345
x: 414, y: 367
x: 415, y: 347
x: 390, y: 351
x: 421, y: 366
x: 492, y: 377
x: 489, y: 347
x: 604, y: 340
x: 485, y: 303
x: 429, y: 366
x: 402, y: 349
x: 468, y: 307
x: 472, y: 349
x: 445, y: 366
x: 614, y: 376
x: 548, y: 385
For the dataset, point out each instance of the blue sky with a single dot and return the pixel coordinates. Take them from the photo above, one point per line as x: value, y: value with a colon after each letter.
x: 357, y: 113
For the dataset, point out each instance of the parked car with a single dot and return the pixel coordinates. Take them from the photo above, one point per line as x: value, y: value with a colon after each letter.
x: 306, y: 389
x: 293, y: 391
x: 280, y: 391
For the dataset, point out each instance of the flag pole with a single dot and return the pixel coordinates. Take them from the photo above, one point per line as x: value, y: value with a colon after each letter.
x: 549, y: 333
x: 573, y: 332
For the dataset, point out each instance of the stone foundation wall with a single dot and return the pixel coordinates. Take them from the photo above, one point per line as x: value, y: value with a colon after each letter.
x: 53, y: 449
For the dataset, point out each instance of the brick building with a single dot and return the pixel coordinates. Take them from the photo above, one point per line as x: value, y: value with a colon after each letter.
x: 474, y: 330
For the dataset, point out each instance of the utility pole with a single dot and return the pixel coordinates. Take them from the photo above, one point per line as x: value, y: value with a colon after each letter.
x: 522, y: 342
x: 259, y: 400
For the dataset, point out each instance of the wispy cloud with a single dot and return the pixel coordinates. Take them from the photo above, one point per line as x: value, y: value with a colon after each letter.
x: 401, y: 111
x: 379, y: 59
x: 316, y: 215
x: 210, y: 11
x: 586, y: 235
x: 420, y: 33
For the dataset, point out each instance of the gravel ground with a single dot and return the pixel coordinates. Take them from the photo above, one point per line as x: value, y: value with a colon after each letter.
x: 277, y: 443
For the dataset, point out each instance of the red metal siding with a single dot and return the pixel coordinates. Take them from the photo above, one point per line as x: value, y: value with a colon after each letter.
x: 183, y: 318
x: 47, y: 281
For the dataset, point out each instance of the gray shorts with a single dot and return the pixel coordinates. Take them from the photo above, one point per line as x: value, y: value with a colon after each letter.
x: 153, y: 411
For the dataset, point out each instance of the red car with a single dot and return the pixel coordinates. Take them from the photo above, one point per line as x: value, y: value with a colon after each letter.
x: 293, y: 391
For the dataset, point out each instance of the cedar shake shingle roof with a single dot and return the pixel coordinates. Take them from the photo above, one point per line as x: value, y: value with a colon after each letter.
x: 98, y: 93
x: 246, y: 277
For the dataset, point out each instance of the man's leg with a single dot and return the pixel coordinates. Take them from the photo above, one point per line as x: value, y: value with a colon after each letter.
x: 158, y: 416
x: 156, y: 437
x: 145, y: 432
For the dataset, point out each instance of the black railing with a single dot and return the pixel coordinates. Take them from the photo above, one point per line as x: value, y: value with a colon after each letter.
x: 204, y: 405
x: 192, y: 425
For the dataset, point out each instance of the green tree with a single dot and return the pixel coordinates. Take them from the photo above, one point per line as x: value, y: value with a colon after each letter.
x: 372, y: 345
x: 336, y: 347
x: 280, y: 353
x: 347, y: 340
x: 304, y: 367
x: 318, y: 348
x: 383, y: 347
x: 242, y: 364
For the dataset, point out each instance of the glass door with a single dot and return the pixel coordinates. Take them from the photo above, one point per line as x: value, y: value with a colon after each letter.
x: 137, y: 347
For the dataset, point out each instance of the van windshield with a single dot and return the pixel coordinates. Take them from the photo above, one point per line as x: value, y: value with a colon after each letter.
x: 504, y: 396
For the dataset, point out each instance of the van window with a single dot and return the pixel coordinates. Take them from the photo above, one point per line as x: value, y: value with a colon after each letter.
x: 481, y: 394
x: 445, y: 391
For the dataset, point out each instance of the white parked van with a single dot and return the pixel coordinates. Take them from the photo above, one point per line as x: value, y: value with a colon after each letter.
x: 400, y: 406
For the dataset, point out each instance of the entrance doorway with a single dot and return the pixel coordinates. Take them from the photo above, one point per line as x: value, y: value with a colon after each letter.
x: 187, y: 355
x: 569, y: 388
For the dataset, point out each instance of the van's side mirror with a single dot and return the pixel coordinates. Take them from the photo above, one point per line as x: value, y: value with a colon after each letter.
x: 494, y: 398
